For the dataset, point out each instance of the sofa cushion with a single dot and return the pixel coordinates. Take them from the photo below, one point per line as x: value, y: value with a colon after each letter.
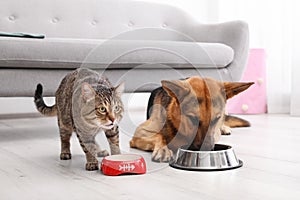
x: 68, y: 53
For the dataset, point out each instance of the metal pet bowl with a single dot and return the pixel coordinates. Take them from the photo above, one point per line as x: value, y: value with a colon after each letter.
x: 222, y: 157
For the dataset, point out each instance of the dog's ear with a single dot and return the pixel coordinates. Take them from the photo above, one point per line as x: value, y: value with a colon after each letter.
x: 234, y: 88
x: 177, y: 89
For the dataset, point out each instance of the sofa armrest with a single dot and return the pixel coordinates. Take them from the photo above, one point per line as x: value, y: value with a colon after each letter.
x: 234, y: 34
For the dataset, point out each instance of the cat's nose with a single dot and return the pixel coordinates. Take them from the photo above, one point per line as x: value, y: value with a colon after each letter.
x: 111, y: 118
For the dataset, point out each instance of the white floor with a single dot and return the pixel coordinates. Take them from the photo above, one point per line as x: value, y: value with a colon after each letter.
x: 30, y: 167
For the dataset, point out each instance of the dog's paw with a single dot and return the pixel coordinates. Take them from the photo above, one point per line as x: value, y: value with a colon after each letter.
x: 225, y: 130
x: 163, y: 154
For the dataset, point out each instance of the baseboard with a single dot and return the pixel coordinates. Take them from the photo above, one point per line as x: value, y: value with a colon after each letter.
x: 20, y: 115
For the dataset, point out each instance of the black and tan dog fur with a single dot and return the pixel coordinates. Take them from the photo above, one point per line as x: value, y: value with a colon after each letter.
x: 188, y: 112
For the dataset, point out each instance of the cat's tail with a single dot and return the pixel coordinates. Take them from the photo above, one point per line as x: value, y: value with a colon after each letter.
x: 233, y: 122
x: 40, y: 104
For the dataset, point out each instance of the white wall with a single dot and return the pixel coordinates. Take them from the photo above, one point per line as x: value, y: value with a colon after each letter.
x: 295, y: 98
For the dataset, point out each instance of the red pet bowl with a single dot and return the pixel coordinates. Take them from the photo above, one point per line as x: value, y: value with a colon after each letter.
x: 123, y: 164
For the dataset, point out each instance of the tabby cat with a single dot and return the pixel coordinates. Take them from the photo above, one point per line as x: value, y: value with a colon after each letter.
x: 86, y: 103
x: 189, y: 113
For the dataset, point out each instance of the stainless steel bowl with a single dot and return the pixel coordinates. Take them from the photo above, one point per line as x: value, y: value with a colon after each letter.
x: 222, y: 157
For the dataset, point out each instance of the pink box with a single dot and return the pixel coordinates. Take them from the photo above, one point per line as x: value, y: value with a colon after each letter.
x: 254, y: 99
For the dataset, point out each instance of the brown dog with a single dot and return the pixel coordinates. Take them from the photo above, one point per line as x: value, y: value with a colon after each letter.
x: 188, y: 112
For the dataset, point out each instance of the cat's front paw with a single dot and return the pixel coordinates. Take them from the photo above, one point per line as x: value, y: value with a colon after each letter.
x: 102, y: 153
x: 65, y: 156
x: 91, y: 166
x: 163, y: 154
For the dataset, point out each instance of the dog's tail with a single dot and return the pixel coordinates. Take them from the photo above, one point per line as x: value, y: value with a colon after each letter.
x: 40, y: 104
x: 233, y: 122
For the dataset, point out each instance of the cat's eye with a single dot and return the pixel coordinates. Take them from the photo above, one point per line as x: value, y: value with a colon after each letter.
x: 102, y: 109
x: 117, y: 108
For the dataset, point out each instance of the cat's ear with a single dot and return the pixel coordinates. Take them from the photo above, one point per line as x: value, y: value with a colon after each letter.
x: 119, y: 89
x: 87, y: 92
x: 177, y: 89
x: 234, y: 88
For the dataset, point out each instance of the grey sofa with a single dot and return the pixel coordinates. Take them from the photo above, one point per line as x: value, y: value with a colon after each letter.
x: 137, y: 42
